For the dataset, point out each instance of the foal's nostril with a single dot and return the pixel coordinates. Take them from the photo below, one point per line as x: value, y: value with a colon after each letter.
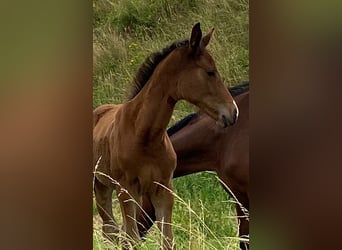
x: 235, y: 115
x: 225, y: 121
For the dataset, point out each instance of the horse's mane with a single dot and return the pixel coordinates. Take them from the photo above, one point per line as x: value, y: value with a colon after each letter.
x: 147, y: 68
x: 181, y: 124
x: 234, y: 91
x: 239, y: 89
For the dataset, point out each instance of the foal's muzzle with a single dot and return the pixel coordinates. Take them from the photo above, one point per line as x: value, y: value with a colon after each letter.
x: 228, y: 122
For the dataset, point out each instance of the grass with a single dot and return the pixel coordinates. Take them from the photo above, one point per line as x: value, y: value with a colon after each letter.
x: 125, y: 32
x: 195, y: 224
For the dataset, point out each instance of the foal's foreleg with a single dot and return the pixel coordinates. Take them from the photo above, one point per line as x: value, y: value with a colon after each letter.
x: 129, y: 202
x: 103, y: 195
x: 162, y: 200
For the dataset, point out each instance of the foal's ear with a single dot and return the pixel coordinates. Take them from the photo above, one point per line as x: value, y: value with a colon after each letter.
x: 206, y: 38
x: 196, y: 36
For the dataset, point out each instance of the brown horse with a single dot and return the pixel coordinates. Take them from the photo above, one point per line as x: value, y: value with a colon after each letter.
x: 132, y: 151
x: 202, y: 145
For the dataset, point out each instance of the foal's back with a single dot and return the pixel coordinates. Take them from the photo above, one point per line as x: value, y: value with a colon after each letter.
x: 101, y: 111
x: 103, y: 123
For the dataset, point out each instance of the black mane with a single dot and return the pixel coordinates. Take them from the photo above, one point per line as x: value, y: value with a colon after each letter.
x: 147, y: 68
x: 181, y: 124
x: 234, y: 91
x: 239, y: 89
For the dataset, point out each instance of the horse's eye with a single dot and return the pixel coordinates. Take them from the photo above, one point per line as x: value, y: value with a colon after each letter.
x: 211, y: 73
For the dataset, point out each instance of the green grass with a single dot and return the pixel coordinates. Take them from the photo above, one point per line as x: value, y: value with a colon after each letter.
x: 203, y: 217
x: 125, y: 32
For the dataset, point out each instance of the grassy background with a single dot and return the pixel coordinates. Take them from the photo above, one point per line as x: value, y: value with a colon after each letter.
x: 125, y: 32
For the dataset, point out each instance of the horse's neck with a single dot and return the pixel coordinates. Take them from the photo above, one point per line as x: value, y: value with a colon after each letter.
x: 152, y: 110
x: 196, y: 149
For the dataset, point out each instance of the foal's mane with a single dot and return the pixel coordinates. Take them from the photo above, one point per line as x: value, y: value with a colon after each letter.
x: 234, y: 91
x: 147, y: 68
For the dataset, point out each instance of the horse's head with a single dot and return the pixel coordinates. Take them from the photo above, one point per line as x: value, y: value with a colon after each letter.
x: 200, y: 83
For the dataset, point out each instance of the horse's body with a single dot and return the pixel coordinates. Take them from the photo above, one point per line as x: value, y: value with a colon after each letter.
x: 201, y: 145
x: 132, y: 151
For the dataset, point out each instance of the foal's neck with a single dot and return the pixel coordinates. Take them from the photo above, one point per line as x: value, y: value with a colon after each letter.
x: 153, y: 108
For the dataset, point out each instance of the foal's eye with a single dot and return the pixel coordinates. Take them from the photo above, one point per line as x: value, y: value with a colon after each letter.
x: 211, y: 73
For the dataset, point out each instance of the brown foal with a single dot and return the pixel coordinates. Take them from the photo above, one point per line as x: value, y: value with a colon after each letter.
x: 132, y: 151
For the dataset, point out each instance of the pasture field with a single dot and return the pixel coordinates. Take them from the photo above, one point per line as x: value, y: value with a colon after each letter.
x: 125, y: 32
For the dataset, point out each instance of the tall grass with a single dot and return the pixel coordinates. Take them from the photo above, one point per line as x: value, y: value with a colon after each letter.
x: 195, y: 225
x: 125, y: 32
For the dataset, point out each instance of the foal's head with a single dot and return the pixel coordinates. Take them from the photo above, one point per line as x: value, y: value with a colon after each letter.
x: 198, y: 80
